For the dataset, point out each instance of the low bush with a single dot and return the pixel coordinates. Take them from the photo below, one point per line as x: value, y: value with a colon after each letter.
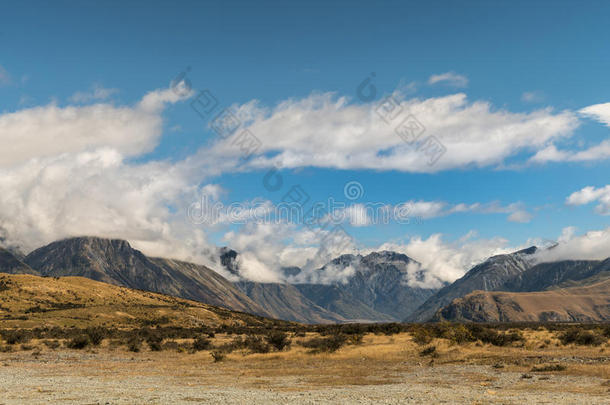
x: 328, y: 344
x: 155, y: 343
x: 170, y: 345
x: 16, y: 336
x: 51, y: 344
x: 256, y: 344
x: 581, y: 337
x: 218, y: 356
x: 279, y: 340
x: 458, y: 334
x: 493, y: 337
x: 429, y: 351
x: 201, y: 343
x: 78, y: 342
x: 422, y: 336
x: 95, y: 335
x: 134, y: 344
x: 549, y: 367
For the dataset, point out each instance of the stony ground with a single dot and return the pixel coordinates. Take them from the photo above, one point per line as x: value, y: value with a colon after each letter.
x: 120, y: 377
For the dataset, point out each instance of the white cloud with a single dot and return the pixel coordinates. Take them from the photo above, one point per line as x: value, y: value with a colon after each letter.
x: 601, y: 151
x: 598, y: 112
x: 432, y: 209
x: 265, y: 248
x: 5, y: 78
x: 447, y: 261
x: 450, y: 78
x: 65, y: 174
x: 520, y: 216
x: 325, y: 131
x: 52, y: 130
x: 593, y: 245
x: 97, y: 93
x: 532, y: 97
x: 590, y: 194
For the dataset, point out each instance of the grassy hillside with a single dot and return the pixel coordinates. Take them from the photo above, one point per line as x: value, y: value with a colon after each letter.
x: 590, y: 303
x: 32, y: 301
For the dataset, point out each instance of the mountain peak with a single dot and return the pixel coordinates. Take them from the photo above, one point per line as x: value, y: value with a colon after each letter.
x: 387, y: 256
x: 93, y: 241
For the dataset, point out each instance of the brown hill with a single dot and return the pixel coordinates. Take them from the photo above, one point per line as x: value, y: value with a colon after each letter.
x: 32, y: 301
x: 588, y: 303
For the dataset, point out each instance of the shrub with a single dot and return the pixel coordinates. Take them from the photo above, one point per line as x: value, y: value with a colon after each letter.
x: 78, y: 342
x: 134, y: 344
x: 256, y: 344
x: 429, y: 351
x: 458, y: 334
x: 326, y: 344
x: 581, y: 337
x: 493, y: 337
x: 279, y: 340
x: 201, y: 343
x: 16, y: 336
x: 51, y: 344
x: 171, y: 345
x: 356, y: 339
x: 550, y: 367
x: 154, y: 343
x: 421, y: 336
x: 391, y: 329
x: 218, y: 356
x: 96, y: 335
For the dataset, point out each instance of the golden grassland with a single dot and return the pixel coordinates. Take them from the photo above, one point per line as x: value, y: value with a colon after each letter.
x: 378, y: 359
x: 146, y: 334
x: 28, y: 301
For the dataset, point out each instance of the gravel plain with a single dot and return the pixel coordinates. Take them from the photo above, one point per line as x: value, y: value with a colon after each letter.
x: 89, y: 378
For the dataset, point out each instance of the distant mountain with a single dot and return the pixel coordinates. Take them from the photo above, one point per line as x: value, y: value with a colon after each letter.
x: 487, y: 276
x: 548, y: 275
x: 377, y: 290
x: 378, y: 287
x: 116, y: 262
x: 587, y: 303
x: 10, y: 263
x: 336, y: 299
x: 285, y: 301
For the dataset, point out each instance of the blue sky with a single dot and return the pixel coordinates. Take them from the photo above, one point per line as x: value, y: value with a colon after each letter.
x: 535, y: 64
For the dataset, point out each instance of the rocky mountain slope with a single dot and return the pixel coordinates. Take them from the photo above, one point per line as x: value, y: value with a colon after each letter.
x: 10, y: 263
x: 588, y: 303
x: 285, y: 301
x: 377, y: 291
x: 116, y: 262
x: 28, y: 301
x: 490, y: 275
x: 548, y: 275
x: 379, y: 282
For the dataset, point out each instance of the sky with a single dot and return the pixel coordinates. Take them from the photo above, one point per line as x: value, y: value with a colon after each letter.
x: 447, y: 131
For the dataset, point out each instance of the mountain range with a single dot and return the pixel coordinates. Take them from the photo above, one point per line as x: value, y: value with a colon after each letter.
x: 381, y: 287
